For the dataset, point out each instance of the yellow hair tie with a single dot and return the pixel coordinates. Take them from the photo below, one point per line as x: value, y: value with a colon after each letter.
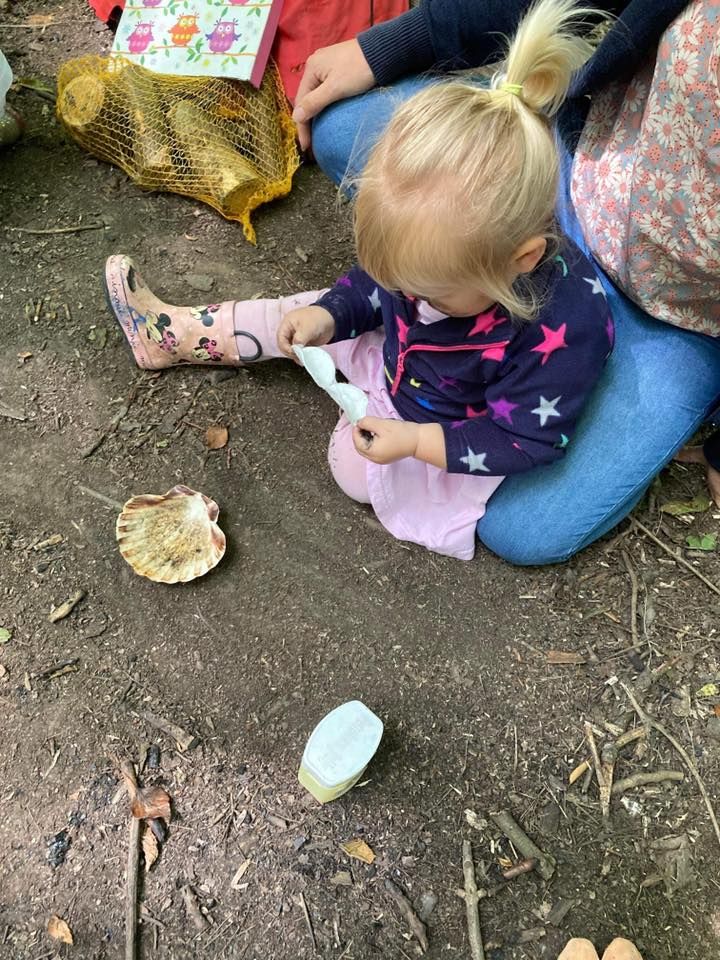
x: 514, y: 88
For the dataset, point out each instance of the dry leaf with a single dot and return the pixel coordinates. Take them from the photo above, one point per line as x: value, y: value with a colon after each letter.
x: 40, y: 19
x: 151, y: 803
x: 579, y: 771
x: 150, y: 847
x: 709, y: 690
x: 358, y: 850
x: 3, y: 671
x: 146, y: 803
x: 216, y: 437
x: 25, y: 355
x: 565, y: 658
x: 716, y: 709
x: 59, y: 930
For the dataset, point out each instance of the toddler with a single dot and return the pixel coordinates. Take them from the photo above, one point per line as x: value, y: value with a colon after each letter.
x: 476, y: 331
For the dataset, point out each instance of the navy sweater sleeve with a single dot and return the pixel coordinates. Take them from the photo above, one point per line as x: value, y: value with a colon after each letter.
x: 455, y: 34
x: 533, y: 403
x: 354, y: 303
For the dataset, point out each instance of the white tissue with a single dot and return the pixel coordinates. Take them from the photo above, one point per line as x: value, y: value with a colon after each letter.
x: 319, y: 364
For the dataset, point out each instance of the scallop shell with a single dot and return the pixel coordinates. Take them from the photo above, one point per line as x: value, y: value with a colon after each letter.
x: 171, y: 539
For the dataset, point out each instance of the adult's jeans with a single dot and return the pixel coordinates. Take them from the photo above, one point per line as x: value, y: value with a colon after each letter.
x: 659, y: 386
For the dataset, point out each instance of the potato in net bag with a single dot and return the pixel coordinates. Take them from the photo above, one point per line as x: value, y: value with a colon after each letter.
x: 217, y: 140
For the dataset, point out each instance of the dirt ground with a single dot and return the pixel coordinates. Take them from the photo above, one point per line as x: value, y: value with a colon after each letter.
x: 312, y: 605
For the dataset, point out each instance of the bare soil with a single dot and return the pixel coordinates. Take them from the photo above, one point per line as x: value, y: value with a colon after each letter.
x: 313, y: 605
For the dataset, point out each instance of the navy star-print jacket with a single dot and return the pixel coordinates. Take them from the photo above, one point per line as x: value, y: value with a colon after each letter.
x: 507, y: 393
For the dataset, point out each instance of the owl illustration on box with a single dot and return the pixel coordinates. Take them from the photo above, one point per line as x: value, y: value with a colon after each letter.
x: 238, y: 3
x: 223, y: 36
x: 140, y: 38
x: 184, y: 30
x: 152, y: 3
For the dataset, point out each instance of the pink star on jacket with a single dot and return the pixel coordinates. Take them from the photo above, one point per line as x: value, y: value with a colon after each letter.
x: 486, y: 322
x: 553, y: 340
x: 471, y: 412
x: 402, y: 328
x: 502, y: 409
x: 496, y: 351
x: 447, y: 382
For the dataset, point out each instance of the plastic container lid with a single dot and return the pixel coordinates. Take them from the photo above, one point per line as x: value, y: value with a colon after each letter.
x: 342, y: 744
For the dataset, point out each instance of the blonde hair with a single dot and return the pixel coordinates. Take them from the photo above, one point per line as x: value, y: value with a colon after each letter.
x: 464, y: 175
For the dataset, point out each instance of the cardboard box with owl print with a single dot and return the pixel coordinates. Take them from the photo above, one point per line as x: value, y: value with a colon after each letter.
x: 199, y: 38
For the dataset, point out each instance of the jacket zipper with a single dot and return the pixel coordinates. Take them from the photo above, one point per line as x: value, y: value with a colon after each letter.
x: 431, y: 348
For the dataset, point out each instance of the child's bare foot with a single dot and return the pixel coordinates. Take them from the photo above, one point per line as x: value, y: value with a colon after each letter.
x: 696, y: 455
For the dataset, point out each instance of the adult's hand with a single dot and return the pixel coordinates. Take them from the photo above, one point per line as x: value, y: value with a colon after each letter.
x: 331, y: 73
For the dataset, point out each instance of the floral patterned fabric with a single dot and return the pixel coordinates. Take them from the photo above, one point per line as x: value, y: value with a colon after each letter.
x: 646, y: 176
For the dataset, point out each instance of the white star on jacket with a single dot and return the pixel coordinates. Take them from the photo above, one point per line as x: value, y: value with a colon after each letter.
x: 597, y: 287
x: 475, y: 461
x: 546, y: 409
x: 374, y: 299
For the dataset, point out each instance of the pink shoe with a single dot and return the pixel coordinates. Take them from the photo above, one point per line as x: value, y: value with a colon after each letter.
x: 579, y: 950
x: 161, y: 335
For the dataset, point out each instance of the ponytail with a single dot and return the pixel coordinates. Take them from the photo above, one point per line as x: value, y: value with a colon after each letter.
x: 550, y: 45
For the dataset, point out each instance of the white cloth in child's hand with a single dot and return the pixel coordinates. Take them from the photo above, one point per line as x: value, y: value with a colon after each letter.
x: 319, y: 364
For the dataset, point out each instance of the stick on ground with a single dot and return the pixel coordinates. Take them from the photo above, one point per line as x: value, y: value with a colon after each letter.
x: 308, y: 921
x: 651, y: 722
x: 406, y: 909
x: 645, y: 779
x: 514, y: 832
x: 471, y: 903
x: 633, y: 598
x: 131, y: 878
x: 678, y: 559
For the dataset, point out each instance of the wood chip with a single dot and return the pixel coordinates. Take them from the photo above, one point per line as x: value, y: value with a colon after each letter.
x: 192, y: 908
x: 565, y: 658
x: 579, y: 771
x: 183, y: 739
x: 358, y: 850
x: 216, y: 437
x: 67, y: 607
x: 58, y: 929
x: 239, y: 874
x: 341, y: 879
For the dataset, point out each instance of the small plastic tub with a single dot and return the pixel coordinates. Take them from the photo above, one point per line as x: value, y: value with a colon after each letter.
x: 339, y: 749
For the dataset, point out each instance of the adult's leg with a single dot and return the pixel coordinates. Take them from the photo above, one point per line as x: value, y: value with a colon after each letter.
x: 659, y: 386
x: 345, y: 132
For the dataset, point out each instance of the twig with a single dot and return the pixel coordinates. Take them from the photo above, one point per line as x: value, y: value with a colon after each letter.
x: 644, y: 779
x: 633, y: 599
x: 183, y: 739
x: 651, y: 722
x: 514, y: 832
x: 608, y: 758
x: 131, y: 878
x: 53, y: 230
x: 471, y: 903
x: 115, y: 504
x: 630, y: 737
x: 406, y: 909
x: 677, y: 558
x: 590, y: 737
x: 525, y: 866
x: 308, y: 921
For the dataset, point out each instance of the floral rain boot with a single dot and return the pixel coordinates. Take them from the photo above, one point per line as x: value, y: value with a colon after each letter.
x: 161, y: 335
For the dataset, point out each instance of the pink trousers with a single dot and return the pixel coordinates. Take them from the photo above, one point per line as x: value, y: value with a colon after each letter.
x: 413, y: 500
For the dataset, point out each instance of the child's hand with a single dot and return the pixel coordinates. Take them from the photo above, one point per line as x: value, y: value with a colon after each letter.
x: 391, y: 440
x: 306, y: 327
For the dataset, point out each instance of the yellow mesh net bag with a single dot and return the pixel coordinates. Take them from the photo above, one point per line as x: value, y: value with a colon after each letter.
x: 217, y: 140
